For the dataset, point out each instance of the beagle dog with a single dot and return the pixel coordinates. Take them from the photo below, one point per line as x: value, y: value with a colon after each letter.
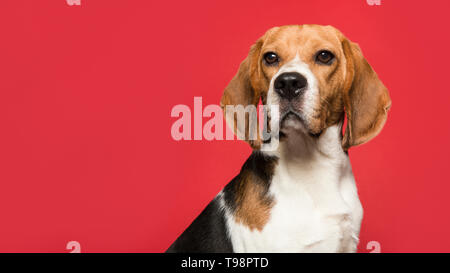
x: 302, y: 197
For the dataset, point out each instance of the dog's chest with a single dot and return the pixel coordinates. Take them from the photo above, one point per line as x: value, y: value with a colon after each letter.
x: 321, y: 213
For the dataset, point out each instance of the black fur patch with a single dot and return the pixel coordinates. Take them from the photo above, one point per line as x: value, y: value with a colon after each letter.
x: 208, y: 232
x: 259, y: 164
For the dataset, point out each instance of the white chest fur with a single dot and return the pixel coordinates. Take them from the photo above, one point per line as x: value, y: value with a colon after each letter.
x: 316, y: 206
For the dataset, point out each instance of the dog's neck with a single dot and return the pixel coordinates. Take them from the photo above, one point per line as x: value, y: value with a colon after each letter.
x: 299, y: 153
x: 299, y: 145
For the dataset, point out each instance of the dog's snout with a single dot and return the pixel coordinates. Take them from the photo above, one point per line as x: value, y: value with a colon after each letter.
x: 290, y: 85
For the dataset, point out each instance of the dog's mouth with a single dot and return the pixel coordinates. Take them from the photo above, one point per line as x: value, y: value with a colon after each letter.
x: 293, y: 122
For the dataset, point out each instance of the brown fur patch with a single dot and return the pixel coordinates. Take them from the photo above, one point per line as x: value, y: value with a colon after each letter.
x: 244, y: 89
x: 253, y: 202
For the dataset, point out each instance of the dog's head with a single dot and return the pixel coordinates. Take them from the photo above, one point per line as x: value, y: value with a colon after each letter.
x: 315, y: 75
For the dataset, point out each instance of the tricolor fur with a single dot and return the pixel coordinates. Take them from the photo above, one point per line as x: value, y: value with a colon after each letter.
x: 301, y: 197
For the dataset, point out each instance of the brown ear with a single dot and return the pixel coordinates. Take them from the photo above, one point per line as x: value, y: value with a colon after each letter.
x: 366, y: 99
x: 244, y: 90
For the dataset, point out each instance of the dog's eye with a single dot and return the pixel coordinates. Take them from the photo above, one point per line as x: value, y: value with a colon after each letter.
x: 271, y: 58
x: 324, y: 57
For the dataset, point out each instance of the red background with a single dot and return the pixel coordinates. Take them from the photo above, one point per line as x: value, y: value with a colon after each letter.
x: 86, y: 93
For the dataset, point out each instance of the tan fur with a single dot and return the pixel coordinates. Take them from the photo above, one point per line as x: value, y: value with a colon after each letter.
x: 349, y: 84
x: 253, y: 202
x: 367, y: 101
x: 244, y: 88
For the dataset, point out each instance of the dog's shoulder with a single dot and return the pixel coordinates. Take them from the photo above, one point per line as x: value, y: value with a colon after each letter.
x: 206, y: 234
x: 244, y: 199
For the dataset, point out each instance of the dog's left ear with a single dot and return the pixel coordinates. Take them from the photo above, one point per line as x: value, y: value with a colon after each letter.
x: 245, y: 90
x: 366, y: 99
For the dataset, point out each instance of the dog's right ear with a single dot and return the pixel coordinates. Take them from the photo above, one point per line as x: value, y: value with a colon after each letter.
x: 366, y: 101
x: 245, y: 89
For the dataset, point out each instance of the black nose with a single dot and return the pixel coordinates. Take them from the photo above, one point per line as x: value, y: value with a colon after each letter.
x: 290, y: 85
